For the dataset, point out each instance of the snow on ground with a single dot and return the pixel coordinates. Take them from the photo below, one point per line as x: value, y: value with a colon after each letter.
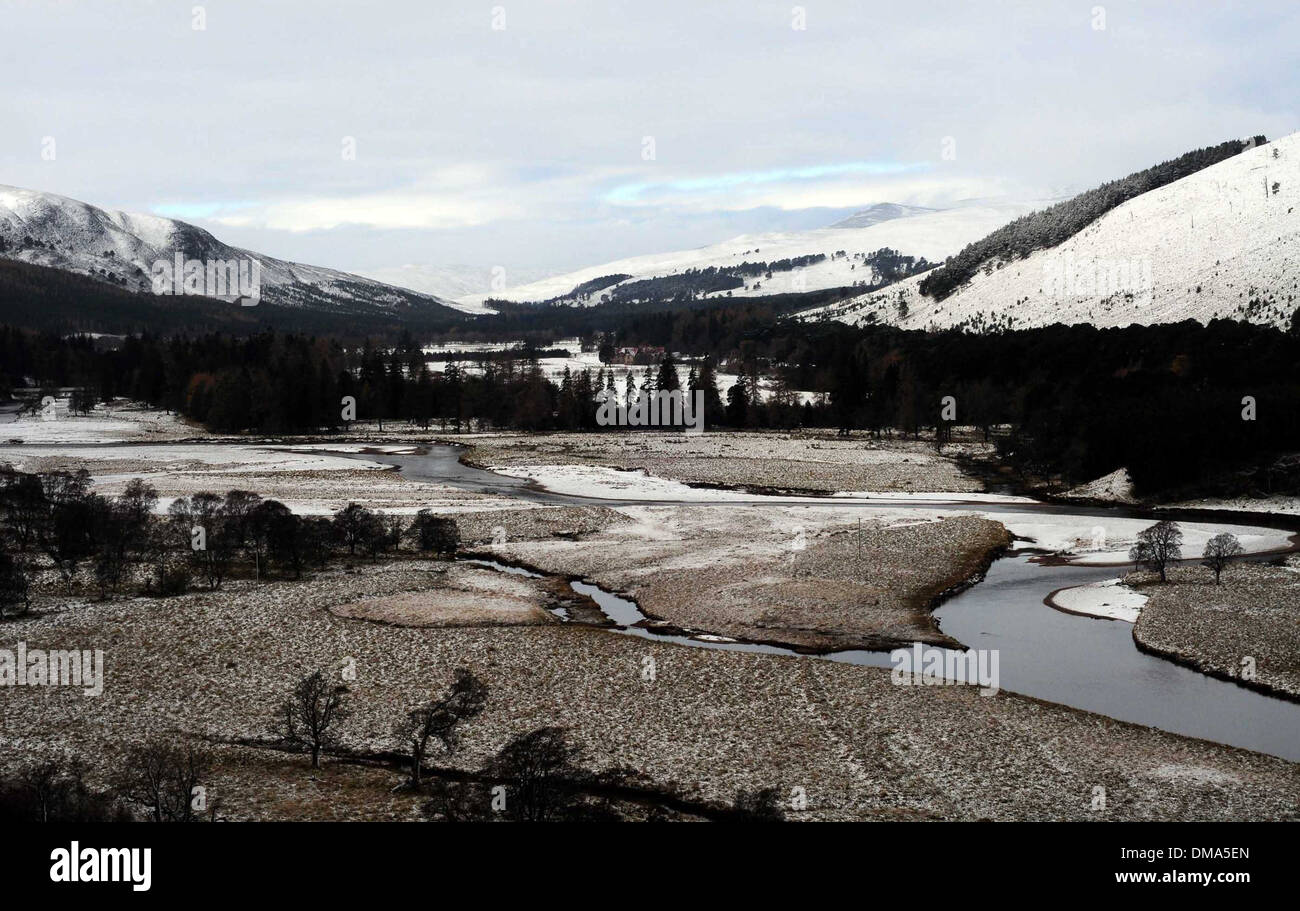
x: 386, y: 448
x: 75, y: 236
x: 1286, y: 505
x: 1110, y: 599
x: 1199, y: 248
x: 579, y: 360
x: 308, y: 479
x: 907, y: 496
x: 1094, y: 540
x: 1116, y: 487
x: 615, y: 484
x: 116, y: 423
x: 230, y: 458
x: 1087, y: 540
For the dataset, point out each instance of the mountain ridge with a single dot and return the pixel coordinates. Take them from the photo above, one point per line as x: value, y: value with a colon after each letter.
x: 122, y: 249
x: 1222, y: 242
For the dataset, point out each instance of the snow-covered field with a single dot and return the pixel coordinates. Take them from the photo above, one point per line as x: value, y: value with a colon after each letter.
x: 1200, y: 248
x: 1286, y: 505
x: 116, y: 423
x: 318, y: 478
x: 1080, y: 539
x: 1111, y: 600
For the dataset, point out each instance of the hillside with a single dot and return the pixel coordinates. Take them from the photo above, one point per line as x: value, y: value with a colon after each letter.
x: 120, y: 249
x: 910, y: 231
x: 1223, y: 242
x: 48, y: 299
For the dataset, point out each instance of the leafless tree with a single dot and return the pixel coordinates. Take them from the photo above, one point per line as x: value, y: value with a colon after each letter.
x: 163, y: 777
x: 1219, y: 551
x: 1157, y: 546
x: 440, y: 719
x: 307, y: 717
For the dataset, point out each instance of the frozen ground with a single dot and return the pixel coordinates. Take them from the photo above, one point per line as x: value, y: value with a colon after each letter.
x: 1287, y: 505
x: 807, y: 578
x: 214, y: 665
x: 818, y: 462
x: 120, y: 422
x: 304, y: 478
x: 1111, y: 600
x: 1080, y: 539
x: 707, y: 724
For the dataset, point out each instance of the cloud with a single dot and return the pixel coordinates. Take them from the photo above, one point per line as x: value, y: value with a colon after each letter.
x: 455, y: 196
x: 826, y: 186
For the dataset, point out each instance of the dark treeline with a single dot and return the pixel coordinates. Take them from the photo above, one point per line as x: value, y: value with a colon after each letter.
x: 44, y: 298
x: 115, y: 545
x: 1075, y: 402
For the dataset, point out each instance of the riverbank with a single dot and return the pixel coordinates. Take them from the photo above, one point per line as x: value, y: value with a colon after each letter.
x: 813, y: 462
x: 1246, y: 630
x: 1107, y: 600
x: 790, y: 576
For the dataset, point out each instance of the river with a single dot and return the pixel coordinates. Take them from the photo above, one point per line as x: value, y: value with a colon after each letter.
x: 1083, y: 662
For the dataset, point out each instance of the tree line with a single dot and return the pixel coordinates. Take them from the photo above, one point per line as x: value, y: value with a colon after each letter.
x: 114, y: 545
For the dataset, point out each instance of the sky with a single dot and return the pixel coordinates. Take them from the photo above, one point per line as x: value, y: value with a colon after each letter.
x: 537, y: 137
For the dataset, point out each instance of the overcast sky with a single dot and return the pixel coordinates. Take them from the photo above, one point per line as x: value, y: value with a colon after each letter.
x: 544, y: 136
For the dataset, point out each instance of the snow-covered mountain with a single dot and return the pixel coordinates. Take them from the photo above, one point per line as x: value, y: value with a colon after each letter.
x: 1222, y: 242
x: 122, y: 249
x: 932, y: 234
x: 881, y: 211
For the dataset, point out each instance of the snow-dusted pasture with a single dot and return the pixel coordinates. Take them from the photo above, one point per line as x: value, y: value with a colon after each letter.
x: 119, y: 422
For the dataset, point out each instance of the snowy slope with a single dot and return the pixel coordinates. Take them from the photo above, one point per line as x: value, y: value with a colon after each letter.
x: 121, y: 248
x: 911, y: 231
x: 1218, y: 243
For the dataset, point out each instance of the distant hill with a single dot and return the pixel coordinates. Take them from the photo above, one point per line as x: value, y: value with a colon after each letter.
x: 1212, y: 234
x: 883, y: 211
x: 120, y: 250
x: 48, y: 299
x: 799, y: 261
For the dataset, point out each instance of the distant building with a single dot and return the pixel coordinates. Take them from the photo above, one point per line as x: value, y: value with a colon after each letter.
x: 643, y: 354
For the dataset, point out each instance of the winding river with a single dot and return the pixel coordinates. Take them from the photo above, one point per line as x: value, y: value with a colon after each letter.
x: 1084, y: 662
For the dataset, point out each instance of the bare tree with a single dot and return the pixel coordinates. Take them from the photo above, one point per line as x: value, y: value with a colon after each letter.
x: 315, y: 707
x: 15, y: 596
x: 541, y: 775
x: 1219, y: 550
x: 1157, y: 546
x: 56, y: 791
x: 164, y: 777
x: 440, y: 719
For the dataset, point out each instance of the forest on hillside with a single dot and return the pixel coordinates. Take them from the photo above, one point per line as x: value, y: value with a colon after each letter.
x: 1057, y: 224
